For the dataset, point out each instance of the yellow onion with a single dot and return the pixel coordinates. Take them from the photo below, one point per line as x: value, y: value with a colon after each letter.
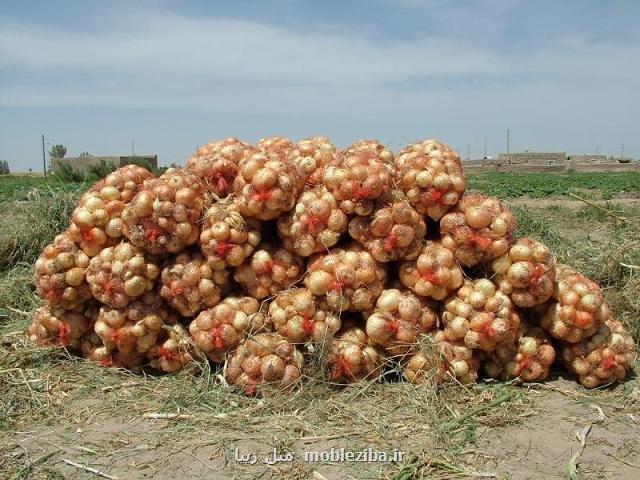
x: 164, y: 215
x: 216, y: 164
x: 220, y: 329
x: 311, y: 155
x: 297, y: 316
x: 189, y: 283
x: 576, y: 309
x: 263, y: 363
x: 173, y: 351
x: 276, y: 146
x: 430, y: 174
x: 94, y: 350
x: 315, y: 223
x: 269, y: 270
x: 120, y: 274
x: 96, y: 221
x: 392, y: 232
x: 352, y: 359
x: 434, y: 274
x: 62, y: 327
x: 346, y: 279
x: 399, y: 320
x: 60, y: 274
x: 481, y: 316
x: 359, y: 176
x: 603, y: 358
x: 526, y: 273
x: 478, y: 230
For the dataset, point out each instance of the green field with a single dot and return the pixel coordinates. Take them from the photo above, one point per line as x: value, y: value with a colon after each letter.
x: 18, y: 188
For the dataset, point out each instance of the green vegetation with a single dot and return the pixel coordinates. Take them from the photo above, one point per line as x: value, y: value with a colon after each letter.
x: 539, y: 185
x: 13, y: 188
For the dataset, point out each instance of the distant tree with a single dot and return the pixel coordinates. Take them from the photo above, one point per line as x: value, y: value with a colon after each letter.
x: 58, y: 151
x: 4, y: 167
x: 84, y: 154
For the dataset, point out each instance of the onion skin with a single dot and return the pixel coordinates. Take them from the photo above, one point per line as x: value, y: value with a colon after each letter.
x: 351, y: 359
x: 263, y: 363
x: 473, y: 246
x: 430, y: 174
x: 311, y: 155
x: 62, y: 327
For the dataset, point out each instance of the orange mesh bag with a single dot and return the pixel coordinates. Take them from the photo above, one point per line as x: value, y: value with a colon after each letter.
x: 352, y: 359
x: 430, y: 173
x: 265, y: 362
x: 62, y: 327
x: 478, y: 230
x: 164, y: 215
x: 311, y: 155
x: 96, y: 222
x: 315, y: 223
x: 60, y: 274
x: 173, y: 351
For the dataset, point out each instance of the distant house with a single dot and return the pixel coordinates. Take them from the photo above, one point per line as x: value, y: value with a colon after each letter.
x: 82, y: 164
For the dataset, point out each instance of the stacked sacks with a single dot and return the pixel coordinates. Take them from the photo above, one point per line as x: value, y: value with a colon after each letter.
x: 303, y: 248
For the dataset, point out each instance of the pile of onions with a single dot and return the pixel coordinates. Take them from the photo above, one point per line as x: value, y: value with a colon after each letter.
x: 227, y: 239
x: 347, y: 279
x: 297, y: 316
x: 358, y: 177
x: 393, y: 232
x: 95, y: 351
x: 382, y: 152
x: 450, y: 360
x: 311, y: 155
x: 529, y: 358
x: 578, y: 307
x: 604, y: 358
x: 276, y: 146
x: 480, y: 315
x: 60, y: 274
x: 136, y: 327
x: 269, y: 270
x: 315, y: 223
x: 478, y: 230
x: 190, y: 284
x: 173, y: 351
x: 55, y: 326
x: 526, y: 273
x: 400, y: 319
x: 434, y: 274
x: 96, y: 222
x: 351, y: 358
x: 220, y: 329
x: 216, y: 164
x: 163, y: 216
x: 430, y: 173
x: 267, y: 184
x: 264, y: 362
x: 120, y: 274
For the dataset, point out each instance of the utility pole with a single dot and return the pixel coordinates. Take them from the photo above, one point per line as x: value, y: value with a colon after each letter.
x: 622, y: 151
x: 485, y: 147
x: 44, y: 159
x: 468, y: 151
x: 508, y: 140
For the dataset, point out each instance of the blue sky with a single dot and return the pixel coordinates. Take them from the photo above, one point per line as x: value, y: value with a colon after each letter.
x: 175, y: 74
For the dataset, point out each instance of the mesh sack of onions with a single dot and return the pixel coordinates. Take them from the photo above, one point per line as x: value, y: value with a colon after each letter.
x: 478, y: 230
x: 526, y: 273
x: 578, y: 307
x: 311, y: 155
x: 381, y: 151
x: 60, y: 274
x: 190, y: 284
x: 135, y: 327
x: 95, y: 351
x: 269, y: 270
x: 351, y: 358
x: 604, y: 358
x: 264, y: 362
x: 529, y: 358
x: 358, y: 177
x: 480, y: 315
x: 298, y: 317
x: 227, y: 238
x: 173, y: 351
x: 393, y: 232
x: 400, y: 319
x: 434, y: 274
x: 276, y: 146
x: 121, y: 274
x: 267, y: 185
x: 346, y: 279
x: 315, y: 223
x: 216, y: 164
x: 220, y: 329
x: 430, y: 173
x: 163, y: 216
x: 96, y: 222
x: 55, y: 326
x: 447, y: 360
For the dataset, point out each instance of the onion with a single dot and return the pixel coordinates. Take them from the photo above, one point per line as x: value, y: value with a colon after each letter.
x: 173, y: 352
x: 311, y: 155
x: 351, y: 359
